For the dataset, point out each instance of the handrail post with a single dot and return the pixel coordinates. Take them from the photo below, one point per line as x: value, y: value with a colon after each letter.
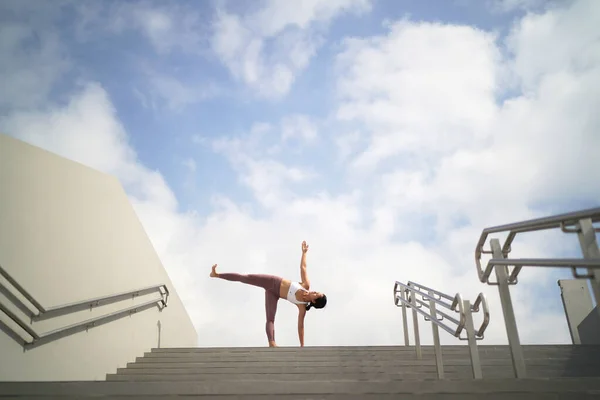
x: 473, y: 351
x: 589, y: 248
x: 404, y: 319
x: 439, y: 364
x: 413, y: 300
x: 508, y: 312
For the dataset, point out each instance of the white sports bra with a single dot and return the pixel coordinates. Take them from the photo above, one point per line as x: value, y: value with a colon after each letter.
x: 291, y: 295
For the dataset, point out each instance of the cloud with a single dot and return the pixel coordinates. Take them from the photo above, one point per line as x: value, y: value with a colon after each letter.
x: 267, y: 178
x: 298, y: 128
x: 174, y: 94
x: 172, y: 30
x: 514, y: 5
x: 559, y: 40
x: 168, y: 28
x: 266, y: 48
x: 190, y: 164
x: 422, y: 89
x: 26, y: 79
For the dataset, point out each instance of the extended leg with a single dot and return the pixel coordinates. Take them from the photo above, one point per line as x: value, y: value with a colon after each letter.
x: 271, y: 300
x: 260, y: 280
x: 267, y: 282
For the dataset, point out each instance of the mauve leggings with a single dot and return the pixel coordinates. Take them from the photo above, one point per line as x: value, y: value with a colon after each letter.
x: 271, y: 284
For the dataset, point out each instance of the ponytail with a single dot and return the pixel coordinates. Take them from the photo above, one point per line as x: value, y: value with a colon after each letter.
x: 319, y: 303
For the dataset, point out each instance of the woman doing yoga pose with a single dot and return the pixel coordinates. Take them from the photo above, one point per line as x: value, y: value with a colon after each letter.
x: 297, y: 293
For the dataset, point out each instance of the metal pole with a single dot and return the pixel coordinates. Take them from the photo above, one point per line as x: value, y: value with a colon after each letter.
x: 508, y: 312
x: 436, y: 339
x: 404, y: 319
x: 413, y: 299
x: 589, y: 248
x: 473, y: 351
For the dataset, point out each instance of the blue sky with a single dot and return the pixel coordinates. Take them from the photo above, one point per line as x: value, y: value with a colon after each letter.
x: 161, y: 136
x: 385, y: 133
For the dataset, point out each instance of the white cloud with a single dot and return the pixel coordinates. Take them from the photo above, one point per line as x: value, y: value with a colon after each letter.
x: 168, y: 28
x: 242, y: 41
x: 190, y: 164
x: 25, y: 79
x: 174, y: 93
x: 422, y: 89
x: 299, y: 128
x: 267, y: 178
x: 513, y: 5
x: 276, y: 15
x: 560, y: 40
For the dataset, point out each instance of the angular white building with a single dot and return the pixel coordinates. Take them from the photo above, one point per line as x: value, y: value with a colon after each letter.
x: 69, y: 236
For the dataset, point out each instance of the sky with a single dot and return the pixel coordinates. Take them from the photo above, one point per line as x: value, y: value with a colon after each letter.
x: 385, y: 133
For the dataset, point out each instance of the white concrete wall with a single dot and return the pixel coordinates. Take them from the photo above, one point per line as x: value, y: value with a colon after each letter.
x: 68, y: 233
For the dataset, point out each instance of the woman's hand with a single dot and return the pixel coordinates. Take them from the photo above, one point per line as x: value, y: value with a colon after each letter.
x: 304, y: 247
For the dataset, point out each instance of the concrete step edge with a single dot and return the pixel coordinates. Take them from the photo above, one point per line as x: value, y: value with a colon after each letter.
x: 553, y: 385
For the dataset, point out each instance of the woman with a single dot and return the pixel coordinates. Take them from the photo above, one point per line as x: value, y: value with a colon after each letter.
x: 297, y: 293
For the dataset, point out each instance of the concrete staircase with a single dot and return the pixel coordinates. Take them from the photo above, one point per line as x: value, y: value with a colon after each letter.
x: 554, y: 372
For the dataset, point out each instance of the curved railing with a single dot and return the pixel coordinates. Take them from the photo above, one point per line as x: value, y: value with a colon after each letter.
x: 580, y: 223
x: 406, y: 296
x: 41, y: 313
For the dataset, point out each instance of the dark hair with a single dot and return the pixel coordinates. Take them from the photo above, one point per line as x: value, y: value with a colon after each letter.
x: 318, y: 303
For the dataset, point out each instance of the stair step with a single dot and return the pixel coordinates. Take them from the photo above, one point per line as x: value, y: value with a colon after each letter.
x: 370, y: 349
x: 348, y: 376
x: 365, y: 396
x: 554, y: 386
x: 383, y: 361
x: 341, y: 369
x: 364, y: 363
x: 375, y: 355
x: 398, y: 352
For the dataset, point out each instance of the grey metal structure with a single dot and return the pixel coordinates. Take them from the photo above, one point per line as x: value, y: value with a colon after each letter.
x: 577, y: 303
x: 41, y: 313
x: 580, y: 222
x: 406, y: 296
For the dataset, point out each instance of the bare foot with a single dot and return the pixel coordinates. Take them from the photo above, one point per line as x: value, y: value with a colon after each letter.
x: 213, y: 273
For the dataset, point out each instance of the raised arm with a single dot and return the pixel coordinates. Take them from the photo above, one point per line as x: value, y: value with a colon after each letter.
x: 303, y: 274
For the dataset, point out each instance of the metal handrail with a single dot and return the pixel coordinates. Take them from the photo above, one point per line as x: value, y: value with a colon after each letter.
x: 481, y: 300
x: 51, y: 312
x: 440, y: 294
x: 43, y: 313
x: 561, y: 221
x: 39, y: 339
x: 539, y: 262
x: 405, y: 296
x: 456, y: 332
x: 456, y: 302
x: 580, y: 223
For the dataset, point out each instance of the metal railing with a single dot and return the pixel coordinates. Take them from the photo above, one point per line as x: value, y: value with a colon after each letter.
x: 581, y: 223
x: 40, y: 313
x: 407, y: 296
